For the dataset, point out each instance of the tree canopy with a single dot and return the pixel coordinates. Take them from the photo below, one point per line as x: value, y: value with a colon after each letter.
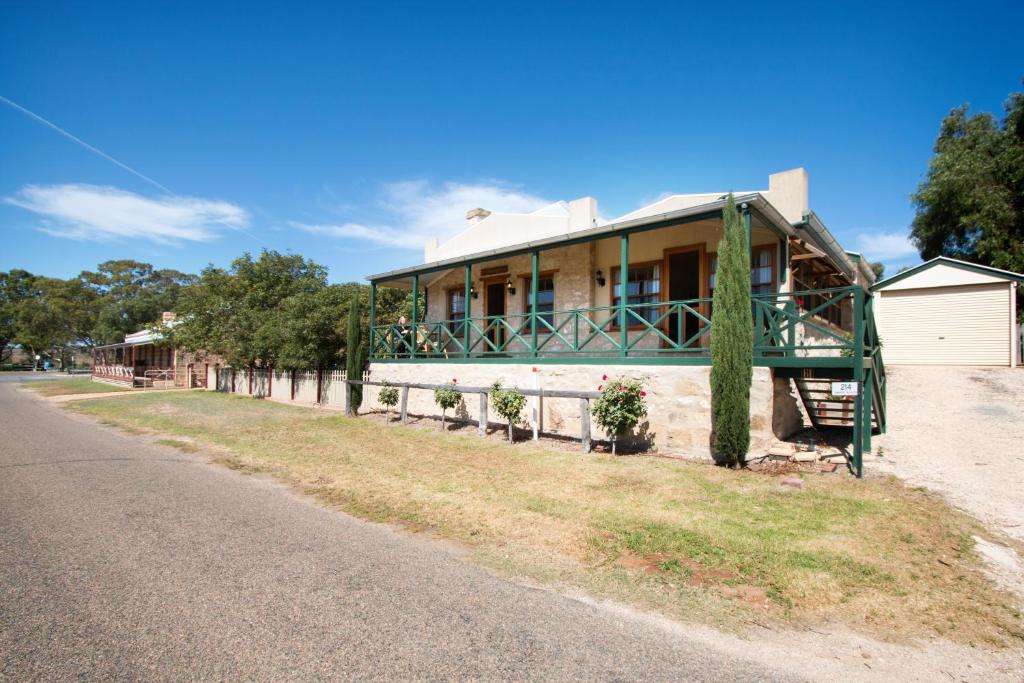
x: 971, y: 204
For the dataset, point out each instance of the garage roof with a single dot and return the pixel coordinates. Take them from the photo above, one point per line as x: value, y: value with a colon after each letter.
x: 951, y: 262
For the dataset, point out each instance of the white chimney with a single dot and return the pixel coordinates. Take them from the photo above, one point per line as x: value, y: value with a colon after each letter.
x: 787, y: 191
x: 477, y: 215
x: 582, y: 214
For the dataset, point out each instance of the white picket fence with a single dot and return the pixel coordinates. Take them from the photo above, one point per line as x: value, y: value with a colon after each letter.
x: 326, y: 388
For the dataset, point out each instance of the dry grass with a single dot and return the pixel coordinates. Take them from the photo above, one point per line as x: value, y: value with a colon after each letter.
x: 75, y: 385
x: 690, y: 540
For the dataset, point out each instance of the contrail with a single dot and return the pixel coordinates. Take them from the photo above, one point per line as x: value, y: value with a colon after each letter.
x: 101, y: 153
x: 83, y: 143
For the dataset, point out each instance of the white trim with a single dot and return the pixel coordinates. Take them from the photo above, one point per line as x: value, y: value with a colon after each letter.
x: 1013, y: 325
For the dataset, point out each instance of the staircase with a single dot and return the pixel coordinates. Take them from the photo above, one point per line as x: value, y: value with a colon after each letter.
x: 826, y: 410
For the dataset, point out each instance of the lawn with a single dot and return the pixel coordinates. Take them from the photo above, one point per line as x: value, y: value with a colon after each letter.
x: 689, y: 540
x: 75, y: 385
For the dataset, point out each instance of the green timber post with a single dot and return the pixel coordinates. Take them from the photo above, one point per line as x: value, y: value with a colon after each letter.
x: 783, y: 259
x: 466, y: 313
x: 748, y: 228
x: 373, y: 314
x: 415, y: 312
x: 858, y: 377
x: 623, y: 293
x: 534, y: 286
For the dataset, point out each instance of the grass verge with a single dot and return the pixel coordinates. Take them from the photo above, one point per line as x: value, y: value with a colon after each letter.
x: 75, y: 385
x: 689, y: 540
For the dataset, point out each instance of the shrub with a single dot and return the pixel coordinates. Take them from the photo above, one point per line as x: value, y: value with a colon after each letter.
x: 388, y: 397
x: 447, y: 397
x: 732, y: 342
x: 508, y: 403
x: 620, y: 407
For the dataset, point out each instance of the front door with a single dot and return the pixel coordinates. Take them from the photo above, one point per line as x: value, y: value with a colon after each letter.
x: 683, y: 285
x: 494, y: 302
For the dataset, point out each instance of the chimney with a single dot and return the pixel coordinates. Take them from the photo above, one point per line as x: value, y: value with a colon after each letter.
x: 477, y: 215
x: 787, y: 191
x: 168, y: 317
x: 582, y: 213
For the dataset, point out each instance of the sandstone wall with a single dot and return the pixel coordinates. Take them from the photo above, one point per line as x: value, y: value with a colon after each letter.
x: 678, y: 398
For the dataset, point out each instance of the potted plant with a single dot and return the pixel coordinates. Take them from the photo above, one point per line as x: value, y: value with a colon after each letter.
x: 620, y: 407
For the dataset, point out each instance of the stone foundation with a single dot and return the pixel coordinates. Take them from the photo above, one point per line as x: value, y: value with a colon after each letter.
x: 678, y: 399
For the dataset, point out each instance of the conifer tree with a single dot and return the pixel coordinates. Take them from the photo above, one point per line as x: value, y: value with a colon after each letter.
x: 355, y: 356
x: 732, y: 342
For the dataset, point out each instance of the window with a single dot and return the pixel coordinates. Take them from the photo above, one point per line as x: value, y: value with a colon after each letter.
x: 456, y: 311
x: 643, y: 286
x: 545, y: 301
x: 762, y: 270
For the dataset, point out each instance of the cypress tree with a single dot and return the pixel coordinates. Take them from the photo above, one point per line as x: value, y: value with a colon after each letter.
x: 355, y: 356
x: 732, y: 342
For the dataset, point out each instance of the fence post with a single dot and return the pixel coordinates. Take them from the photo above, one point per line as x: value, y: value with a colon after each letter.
x: 585, y: 424
x: 483, y: 414
x: 319, y: 383
x: 348, y: 395
x: 405, y: 405
x: 270, y: 381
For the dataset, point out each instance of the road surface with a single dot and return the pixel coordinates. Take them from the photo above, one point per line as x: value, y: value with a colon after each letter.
x: 125, y: 560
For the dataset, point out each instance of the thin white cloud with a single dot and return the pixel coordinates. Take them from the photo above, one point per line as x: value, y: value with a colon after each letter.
x: 80, y: 212
x: 418, y: 211
x: 887, y: 246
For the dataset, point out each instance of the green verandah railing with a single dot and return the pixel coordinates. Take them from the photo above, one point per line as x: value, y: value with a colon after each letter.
x: 678, y: 329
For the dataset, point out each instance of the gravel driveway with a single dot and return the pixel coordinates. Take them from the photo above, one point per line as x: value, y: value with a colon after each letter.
x: 959, y: 431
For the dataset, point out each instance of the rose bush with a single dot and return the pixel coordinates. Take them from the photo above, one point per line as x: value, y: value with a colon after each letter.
x: 447, y: 397
x: 621, y: 406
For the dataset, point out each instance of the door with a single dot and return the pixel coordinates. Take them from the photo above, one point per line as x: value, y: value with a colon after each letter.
x: 961, y: 325
x: 494, y: 303
x: 683, y: 285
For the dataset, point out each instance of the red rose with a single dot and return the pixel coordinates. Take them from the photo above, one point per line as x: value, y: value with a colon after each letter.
x: 454, y: 381
x: 604, y: 378
x: 643, y: 393
x: 599, y: 387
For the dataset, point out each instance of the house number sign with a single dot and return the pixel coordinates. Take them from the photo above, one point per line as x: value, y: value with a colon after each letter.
x: 844, y: 389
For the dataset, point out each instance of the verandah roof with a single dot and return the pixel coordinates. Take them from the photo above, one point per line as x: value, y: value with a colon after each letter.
x: 759, y: 206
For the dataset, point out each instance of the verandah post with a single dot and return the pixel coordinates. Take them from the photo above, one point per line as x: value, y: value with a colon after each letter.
x: 623, y: 293
x: 467, y: 290
x: 858, y: 377
x: 534, y: 286
x: 373, y: 315
x: 748, y: 229
x: 415, y: 312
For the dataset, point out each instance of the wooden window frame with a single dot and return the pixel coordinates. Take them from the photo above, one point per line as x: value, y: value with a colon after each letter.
x: 611, y: 283
x: 527, y: 280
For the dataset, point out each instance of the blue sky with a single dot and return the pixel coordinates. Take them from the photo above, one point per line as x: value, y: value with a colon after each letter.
x: 348, y: 133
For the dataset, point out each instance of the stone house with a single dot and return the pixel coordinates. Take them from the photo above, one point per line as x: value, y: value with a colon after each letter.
x: 537, y: 300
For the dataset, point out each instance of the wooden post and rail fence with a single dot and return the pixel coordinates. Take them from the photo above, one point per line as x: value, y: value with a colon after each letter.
x: 584, y: 398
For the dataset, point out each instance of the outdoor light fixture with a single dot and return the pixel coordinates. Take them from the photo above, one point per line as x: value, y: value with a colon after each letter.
x: 599, y: 278
x: 472, y: 291
x: 510, y: 288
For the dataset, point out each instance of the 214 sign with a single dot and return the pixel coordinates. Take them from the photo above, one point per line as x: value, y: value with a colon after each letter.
x: 845, y: 388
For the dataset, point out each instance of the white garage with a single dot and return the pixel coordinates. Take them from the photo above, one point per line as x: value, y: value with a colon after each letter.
x: 948, y: 312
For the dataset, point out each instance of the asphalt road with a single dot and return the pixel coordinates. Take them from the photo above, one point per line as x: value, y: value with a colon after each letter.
x: 129, y: 561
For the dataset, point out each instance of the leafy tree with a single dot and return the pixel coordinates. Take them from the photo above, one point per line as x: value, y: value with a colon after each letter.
x: 971, y: 204
x: 447, y: 397
x: 355, y: 356
x: 508, y: 403
x: 388, y: 397
x: 15, y: 287
x: 878, y: 268
x: 129, y: 296
x: 245, y: 314
x: 732, y: 342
